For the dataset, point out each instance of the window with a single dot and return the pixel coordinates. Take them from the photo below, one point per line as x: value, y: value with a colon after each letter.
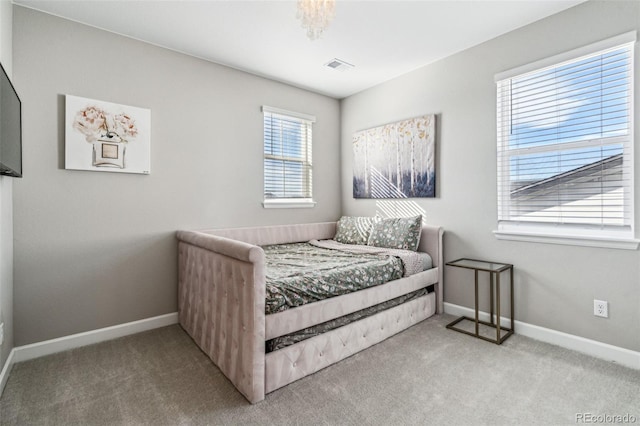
x: 287, y: 158
x: 565, y: 147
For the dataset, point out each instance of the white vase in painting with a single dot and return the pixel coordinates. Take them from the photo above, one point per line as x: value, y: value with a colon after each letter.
x: 108, y: 151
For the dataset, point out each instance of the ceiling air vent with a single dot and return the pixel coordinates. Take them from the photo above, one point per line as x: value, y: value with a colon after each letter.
x: 338, y: 64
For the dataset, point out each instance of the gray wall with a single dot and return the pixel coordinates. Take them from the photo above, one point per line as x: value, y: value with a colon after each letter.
x: 6, y: 204
x: 555, y: 285
x: 94, y: 249
x: 97, y: 249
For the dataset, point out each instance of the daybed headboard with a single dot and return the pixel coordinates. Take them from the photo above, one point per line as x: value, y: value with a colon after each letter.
x: 278, y: 234
x: 430, y: 239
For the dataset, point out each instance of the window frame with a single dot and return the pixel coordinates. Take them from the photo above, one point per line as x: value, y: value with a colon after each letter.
x: 620, y: 237
x: 307, y: 180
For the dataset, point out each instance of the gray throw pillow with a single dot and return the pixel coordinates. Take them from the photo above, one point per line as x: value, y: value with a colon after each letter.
x: 354, y: 229
x: 400, y: 233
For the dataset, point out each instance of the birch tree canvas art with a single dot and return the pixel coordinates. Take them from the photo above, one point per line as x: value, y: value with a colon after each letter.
x: 396, y: 160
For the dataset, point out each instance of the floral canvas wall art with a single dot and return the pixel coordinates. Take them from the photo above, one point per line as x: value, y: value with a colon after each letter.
x: 396, y: 160
x: 103, y: 136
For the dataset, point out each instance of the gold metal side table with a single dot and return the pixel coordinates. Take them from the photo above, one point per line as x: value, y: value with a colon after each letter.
x: 494, y: 269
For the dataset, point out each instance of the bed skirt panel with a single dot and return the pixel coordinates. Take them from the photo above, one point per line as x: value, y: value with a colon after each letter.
x: 294, y: 362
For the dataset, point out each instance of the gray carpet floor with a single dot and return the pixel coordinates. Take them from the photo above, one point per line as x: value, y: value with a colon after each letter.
x: 425, y: 375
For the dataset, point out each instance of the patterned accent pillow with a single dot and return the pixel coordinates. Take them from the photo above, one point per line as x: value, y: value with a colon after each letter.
x: 399, y: 233
x: 354, y: 230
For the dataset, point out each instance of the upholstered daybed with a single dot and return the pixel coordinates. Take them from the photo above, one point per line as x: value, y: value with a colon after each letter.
x: 221, y: 303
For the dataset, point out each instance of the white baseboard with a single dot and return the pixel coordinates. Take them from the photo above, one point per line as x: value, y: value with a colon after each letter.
x: 48, y: 347
x: 4, y: 375
x: 605, y: 351
x: 594, y: 348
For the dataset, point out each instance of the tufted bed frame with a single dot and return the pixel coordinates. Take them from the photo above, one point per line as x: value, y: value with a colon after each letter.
x: 221, y: 304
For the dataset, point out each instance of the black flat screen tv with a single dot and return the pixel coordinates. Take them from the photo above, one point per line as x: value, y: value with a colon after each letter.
x: 10, y: 128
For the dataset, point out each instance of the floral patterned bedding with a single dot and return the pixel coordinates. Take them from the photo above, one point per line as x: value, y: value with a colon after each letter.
x: 301, y: 273
x: 412, y: 261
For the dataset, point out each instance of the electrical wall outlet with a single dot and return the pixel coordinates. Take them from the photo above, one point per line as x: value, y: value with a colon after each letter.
x: 601, y: 308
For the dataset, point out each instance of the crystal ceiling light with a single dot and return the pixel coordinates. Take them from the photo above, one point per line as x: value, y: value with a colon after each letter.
x: 315, y: 16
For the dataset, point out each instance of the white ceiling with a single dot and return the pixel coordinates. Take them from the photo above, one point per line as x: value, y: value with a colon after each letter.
x: 383, y: 39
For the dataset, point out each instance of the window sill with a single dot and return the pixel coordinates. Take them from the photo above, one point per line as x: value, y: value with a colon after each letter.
x: 571, y: 240
x: 303, y: 203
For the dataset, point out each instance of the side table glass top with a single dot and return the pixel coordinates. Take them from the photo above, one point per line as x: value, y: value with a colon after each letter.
x: 480, y: 265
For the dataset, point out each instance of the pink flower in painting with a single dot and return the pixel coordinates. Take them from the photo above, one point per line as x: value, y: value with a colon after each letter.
x: 95, y: 123
x: 125, y: 126
x: 90, y: 121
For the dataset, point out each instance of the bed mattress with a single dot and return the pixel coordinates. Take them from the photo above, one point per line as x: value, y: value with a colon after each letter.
x: 302, y: 273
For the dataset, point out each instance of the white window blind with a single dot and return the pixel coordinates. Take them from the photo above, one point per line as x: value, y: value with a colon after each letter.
x: 565, y: 144
x: 287, y: 155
